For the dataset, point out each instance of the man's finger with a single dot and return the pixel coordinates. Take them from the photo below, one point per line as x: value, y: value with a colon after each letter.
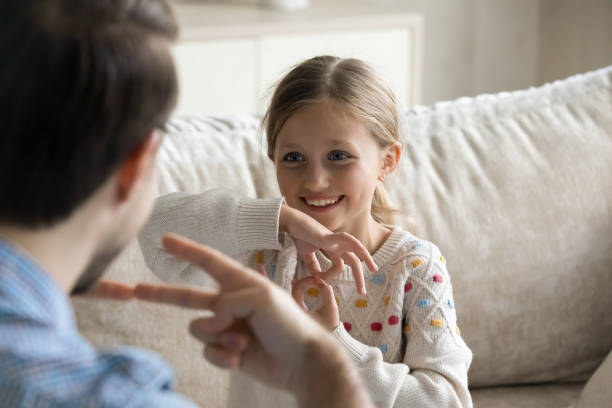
x: 229, y: 273
x: 221, y: 357
x: 177, y: 296
x: 109, y: 290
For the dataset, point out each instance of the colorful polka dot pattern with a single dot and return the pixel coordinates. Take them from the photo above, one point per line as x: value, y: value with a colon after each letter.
x: 361, y: 303
x: 424, y: 303
x: 436, y: 323
x: 314, y: 292
x: 394, y: 319
x: 376, y: 326
x: 378, y: 279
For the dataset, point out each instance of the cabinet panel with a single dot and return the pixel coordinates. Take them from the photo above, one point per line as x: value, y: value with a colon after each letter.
x: 216, y: 77
x: 387, y: 50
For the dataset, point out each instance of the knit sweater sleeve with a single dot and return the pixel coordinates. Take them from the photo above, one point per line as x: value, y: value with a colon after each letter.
x: 217, y: 218
x: 435, y: 363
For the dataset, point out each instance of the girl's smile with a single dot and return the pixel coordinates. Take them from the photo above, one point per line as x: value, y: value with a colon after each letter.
x: 322, y: 203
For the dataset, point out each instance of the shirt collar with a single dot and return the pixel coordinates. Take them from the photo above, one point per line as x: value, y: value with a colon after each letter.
x: 29, y: 290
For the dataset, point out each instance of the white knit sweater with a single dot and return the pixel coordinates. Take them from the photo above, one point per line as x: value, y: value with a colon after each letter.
x: 402, y: 336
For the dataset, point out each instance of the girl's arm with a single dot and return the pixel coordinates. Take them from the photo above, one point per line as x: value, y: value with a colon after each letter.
x: 436, y: 359
x: 217, y: 218
x: 221, y: 219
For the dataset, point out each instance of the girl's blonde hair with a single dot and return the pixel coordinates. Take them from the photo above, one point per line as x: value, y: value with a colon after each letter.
x: 355, y: 87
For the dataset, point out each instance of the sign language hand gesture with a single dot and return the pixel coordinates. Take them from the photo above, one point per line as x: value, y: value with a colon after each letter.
x: 309, y: 236
x: 327, y: 315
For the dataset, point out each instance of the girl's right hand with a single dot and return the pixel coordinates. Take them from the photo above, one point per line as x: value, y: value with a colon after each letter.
x: 327, y: 315
x: 309, y: 235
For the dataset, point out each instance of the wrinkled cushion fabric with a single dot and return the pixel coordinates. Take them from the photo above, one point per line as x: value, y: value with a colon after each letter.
x: 516, y: 189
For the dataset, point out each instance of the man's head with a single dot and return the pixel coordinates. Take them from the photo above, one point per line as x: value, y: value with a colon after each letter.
x: 84, y: 84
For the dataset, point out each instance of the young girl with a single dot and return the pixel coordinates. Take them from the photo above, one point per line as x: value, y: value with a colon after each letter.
x: 332, y: 132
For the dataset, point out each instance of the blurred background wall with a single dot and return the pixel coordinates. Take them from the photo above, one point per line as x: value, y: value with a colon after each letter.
x: 482, y: 46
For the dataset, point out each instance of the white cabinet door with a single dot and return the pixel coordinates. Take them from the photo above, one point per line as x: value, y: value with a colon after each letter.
x: 216, y: 77
x: 387, y: 50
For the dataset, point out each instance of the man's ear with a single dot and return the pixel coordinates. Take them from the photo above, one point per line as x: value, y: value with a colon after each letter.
x: 138, y: 165
x: 390, y: 158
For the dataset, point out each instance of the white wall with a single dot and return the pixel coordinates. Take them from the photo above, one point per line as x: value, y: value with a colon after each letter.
x: 478, y: 46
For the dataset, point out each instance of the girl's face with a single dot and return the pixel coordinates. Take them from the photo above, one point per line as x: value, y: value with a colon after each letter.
x: 327, y: 166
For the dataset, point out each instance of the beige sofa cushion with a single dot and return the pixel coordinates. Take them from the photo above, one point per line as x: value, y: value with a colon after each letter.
x: 597, y: 392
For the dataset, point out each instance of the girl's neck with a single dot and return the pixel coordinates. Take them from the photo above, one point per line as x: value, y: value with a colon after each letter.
x: 371, y: 234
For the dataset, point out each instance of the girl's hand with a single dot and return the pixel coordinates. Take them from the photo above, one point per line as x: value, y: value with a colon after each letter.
x: 309, y: 235
x: 327, y: 315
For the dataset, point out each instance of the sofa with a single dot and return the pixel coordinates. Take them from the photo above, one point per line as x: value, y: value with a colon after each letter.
x: 516, y: 190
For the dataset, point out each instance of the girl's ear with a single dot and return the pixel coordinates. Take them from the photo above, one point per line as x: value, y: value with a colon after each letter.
x: 391, y: 155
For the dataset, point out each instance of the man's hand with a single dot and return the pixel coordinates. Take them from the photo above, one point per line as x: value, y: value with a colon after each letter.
x: 309, y: 235
x: 256, y: 326
x: 109, y: 290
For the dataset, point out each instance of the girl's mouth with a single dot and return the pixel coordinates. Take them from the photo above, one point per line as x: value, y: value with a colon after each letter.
x: 322, y: 204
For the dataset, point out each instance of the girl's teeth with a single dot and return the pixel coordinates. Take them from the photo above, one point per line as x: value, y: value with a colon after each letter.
x: 321, y: 203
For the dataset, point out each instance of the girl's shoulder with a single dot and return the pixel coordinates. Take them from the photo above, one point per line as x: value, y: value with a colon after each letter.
x: 403, y: 247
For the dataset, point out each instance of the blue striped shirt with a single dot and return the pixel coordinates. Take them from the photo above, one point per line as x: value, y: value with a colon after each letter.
x: 45, y: 362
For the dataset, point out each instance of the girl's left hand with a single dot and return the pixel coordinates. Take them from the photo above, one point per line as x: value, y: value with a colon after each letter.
x: 309, y: 235
x: 327, y: 315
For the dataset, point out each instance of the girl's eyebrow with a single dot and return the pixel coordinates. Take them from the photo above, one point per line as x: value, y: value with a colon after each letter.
x: 332, y: 143
x: 290, y: 145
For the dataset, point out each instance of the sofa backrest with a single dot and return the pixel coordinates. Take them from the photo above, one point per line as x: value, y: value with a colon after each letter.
x: 516, y: 190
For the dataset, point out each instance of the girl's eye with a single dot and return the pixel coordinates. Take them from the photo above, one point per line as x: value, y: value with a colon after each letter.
x: 337, y: 155
x: 293, y: 157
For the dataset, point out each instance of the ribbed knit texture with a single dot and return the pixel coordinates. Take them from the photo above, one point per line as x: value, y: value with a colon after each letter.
x: 403, y: 335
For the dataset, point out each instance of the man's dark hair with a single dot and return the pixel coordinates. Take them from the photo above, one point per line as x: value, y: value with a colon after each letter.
x: 82, y: 84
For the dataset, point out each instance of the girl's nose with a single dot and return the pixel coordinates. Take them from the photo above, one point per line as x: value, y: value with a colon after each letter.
x: 316, y: 178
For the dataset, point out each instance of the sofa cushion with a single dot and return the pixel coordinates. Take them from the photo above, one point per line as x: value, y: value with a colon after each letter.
x: 516, y: 190
x: 598, y: 390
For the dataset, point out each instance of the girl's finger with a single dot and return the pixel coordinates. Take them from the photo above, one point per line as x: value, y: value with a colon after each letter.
x: 360, y: 251
x: 299, y: 288
x: 336, y: 269
x: 312, y: 263
x: 329, y: 299
x: 355, y: 264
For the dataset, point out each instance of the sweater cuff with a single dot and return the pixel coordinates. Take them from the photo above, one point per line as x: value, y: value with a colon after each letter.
x: 356, y: 349
x: 258, y: 223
